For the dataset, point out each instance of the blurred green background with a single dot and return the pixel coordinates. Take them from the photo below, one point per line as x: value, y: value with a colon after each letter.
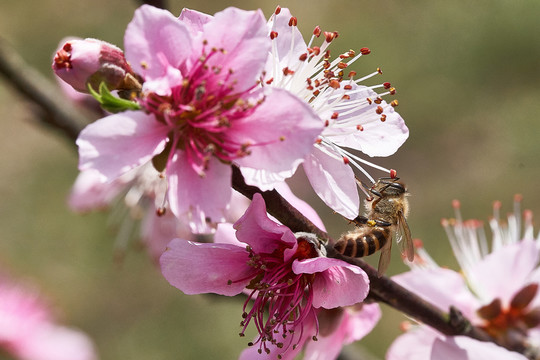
x: 467, y: 75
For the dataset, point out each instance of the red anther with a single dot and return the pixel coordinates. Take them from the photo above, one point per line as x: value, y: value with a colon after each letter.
x: 317, y: 31
x: 379, y: 110
x: 346, y: 97
x: 317, y: 83
x: 394, y: 103
x: 418, y: 244
x: 287, y: 71
x: 334, y: 84
x: 351, y: 53
x: 278, y: 10
x: 524, y: 297
x: 369, y: 101
x: 518, y: 197
x: 269, y: 81
x: 359, y: 127
x: 293, y: 21
x: 273, y: 35
x: 444, y: 222
x: 303, y: 57
x: 497, y: 204
x: 329, y: 36
x: 348, y: 87
x: 318, y: 141
x: 343, y: 56
x: 316, y: 92
x: 527, y: 214
x: 365, y: 51
x: 405, y: 326
x: 346, y: 160
x: 379, y: 70
x: 316, y: 50
x: 456, y: 204
x: 383, y: 118
x: 327, y: 54
x: 342, y: 65
x: 161, y: 211
x: 326, y: 123
x: 62, y: 58
x: 378, y: 100
x: 352, y: 74
x: 334, y: 116
x: 326, y: 64
x: 386, y: 85
x: 393, y: 173
x: 392, y: 91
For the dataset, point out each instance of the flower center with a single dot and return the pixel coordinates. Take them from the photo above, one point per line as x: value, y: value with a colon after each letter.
x: 200, y: 112
x: 510, y: 325
x: 287, y: 297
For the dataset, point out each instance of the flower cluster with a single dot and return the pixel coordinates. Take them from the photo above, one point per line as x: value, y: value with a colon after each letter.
x: 496, y: 290
x: 28, y: 330
x: 188, y: 99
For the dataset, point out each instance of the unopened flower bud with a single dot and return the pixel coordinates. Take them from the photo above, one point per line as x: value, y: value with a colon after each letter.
x: 90, y: 62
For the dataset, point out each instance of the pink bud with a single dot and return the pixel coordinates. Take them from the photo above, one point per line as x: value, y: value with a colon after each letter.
x: 80, y: 62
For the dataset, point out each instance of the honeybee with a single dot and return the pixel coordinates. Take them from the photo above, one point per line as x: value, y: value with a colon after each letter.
x: 386, y: 212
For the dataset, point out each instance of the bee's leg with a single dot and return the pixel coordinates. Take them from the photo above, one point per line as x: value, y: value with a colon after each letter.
x: 364, y: 188
x: 360, y: 220
x: 382, y: 223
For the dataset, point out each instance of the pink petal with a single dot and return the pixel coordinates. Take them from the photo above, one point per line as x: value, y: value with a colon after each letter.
x: 414, y: 344
x: 194, y: 20
x: 226, y: 234
x: 197, y: 268
x: 351, y: 325
x: 261, y: 233
x: 333, y: 181
x: 199, y: 197
x: 90, y: 192
x: 336, y: 283
x: 117, y: 143
x: 265, y: 180
x: 377, y: 138
x: 158, y: 231
x: 51, y: 342
x: 281, y: 138
x: 502, y: 273
x: 244, y: 37
x: 360, y: 322
x: 462, y: 347
x: 154, y: 34
x: 439, y: 286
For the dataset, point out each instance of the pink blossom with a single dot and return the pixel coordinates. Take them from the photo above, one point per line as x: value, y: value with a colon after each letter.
x: 135, y: 196
x: 355, y: 116
x: 202, y: 109
x: 497, y: 291
x: 283, y: 272
x: 86, y: 62
x: 29, y: 332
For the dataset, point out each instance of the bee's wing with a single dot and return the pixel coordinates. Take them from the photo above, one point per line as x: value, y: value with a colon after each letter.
x: 384, y: 260
x: 404, y: 237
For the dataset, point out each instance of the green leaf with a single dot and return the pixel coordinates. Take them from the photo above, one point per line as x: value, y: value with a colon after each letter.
x: 110, y: 102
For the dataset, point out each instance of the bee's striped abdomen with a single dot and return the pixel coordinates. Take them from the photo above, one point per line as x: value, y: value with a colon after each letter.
x: 364, y: 241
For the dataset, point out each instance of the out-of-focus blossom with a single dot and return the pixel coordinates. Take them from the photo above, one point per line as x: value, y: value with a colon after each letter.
x: 28, y: 330
x: 355, y: 116
x: 285, y: 274
x: 133, y: 198
x: 336, y: 328
x: 203, y: 110
x: 497, y: 291
x: 90, y: 62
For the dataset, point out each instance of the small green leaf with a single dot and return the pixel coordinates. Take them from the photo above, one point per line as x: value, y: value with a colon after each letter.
x: 110, y: 102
